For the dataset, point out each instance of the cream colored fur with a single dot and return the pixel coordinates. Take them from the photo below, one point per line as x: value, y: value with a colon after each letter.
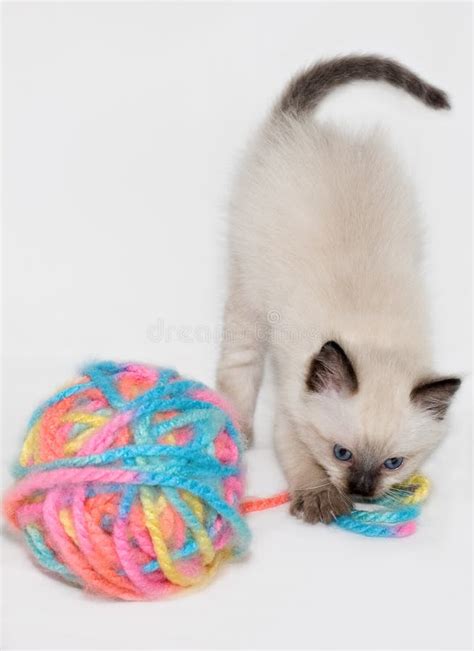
x: 325, y: 245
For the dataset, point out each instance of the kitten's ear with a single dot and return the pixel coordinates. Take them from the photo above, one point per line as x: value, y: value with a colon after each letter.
x: 435, y: 396
x: 331, y: 370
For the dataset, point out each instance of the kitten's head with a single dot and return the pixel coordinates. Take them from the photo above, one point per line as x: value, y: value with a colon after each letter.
x: 371, y: 427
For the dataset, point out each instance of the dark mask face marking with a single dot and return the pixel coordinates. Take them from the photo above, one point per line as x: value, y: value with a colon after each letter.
x: 363, y: 479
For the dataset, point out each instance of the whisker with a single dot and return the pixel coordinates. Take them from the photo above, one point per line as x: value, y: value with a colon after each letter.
x: 311, y: 487
x: 332, y: 508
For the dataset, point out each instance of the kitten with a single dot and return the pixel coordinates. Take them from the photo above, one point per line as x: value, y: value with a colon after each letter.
x: 324, y: 276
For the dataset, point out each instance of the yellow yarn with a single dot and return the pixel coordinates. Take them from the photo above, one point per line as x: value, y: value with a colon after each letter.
x: 65, y: 519
x: 421, y: 491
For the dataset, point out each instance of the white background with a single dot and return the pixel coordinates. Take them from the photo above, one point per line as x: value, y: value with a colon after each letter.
x: 122, y: 127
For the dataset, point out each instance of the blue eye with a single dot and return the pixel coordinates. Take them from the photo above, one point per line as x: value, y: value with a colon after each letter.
x: 393, y: 463
x: 343, y: 454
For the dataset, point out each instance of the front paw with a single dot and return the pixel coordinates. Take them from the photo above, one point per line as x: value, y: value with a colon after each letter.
x: 319, y: 505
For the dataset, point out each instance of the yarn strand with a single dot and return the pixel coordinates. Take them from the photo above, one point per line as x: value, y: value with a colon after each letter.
x: 393, y: 516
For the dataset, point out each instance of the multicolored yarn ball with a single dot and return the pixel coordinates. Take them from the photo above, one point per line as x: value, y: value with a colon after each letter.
x: 130, y: 482
x: 130, y: 485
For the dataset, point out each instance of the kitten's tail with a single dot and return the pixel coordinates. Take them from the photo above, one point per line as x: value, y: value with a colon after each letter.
x: 309, y: 87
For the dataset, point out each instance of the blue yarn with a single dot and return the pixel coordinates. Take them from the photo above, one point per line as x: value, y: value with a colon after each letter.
x: 45, y: 557
x: 378, y: 523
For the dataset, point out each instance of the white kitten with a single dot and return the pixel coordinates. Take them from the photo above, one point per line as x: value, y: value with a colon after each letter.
x: 325, y: 255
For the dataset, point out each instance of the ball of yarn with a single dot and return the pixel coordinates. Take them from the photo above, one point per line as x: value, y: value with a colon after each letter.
x: 130, y: 482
